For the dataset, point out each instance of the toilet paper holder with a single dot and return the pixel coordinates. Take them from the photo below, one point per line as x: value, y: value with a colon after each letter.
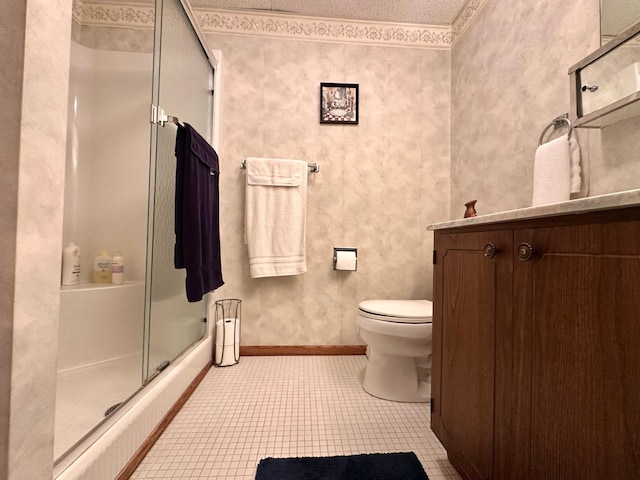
x: 351, y: 253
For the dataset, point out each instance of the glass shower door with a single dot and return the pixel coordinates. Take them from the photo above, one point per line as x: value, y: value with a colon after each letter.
x: 183, y: 86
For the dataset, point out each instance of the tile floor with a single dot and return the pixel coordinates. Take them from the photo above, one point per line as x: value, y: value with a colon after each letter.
x: 287, y: 407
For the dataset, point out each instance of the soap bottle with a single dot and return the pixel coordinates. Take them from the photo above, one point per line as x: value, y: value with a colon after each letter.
x: 117, y: 269
x: 71, y: 264
x: 102, y: 268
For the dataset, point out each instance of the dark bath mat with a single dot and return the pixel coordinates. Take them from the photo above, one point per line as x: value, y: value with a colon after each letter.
x: 375, y: 466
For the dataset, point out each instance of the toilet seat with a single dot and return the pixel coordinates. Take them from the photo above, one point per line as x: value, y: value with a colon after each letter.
x: 397, y: 311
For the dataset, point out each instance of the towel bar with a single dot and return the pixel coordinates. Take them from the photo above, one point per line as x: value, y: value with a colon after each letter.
x: 557, y: 123
x: 315, y: 168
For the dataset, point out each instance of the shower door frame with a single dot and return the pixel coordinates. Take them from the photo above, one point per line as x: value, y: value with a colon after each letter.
x: 148, y: 374
x: 101, y: 433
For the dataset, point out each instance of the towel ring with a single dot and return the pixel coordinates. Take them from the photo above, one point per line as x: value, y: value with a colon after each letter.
x: 557, y: 123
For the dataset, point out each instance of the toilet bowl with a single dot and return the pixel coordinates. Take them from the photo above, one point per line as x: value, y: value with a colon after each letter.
x: 398, y: 337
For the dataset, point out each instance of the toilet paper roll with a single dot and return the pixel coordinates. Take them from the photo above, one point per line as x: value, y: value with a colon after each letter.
x: 227, y: 350
x: 228, y: 331
x: 346, y: 260
x: 227, y: 355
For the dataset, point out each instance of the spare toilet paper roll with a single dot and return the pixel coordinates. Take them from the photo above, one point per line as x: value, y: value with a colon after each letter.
x: 228, y: 331
x: 227, y: 349
x: 346, y: 260
x: 226, y: 355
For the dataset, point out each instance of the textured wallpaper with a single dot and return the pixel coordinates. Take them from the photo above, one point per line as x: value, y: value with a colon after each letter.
x: 438, y: 127
x: 509, y: 80
x: 380, y: 182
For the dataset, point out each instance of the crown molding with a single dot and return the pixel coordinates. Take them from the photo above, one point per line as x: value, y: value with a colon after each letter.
x: 273, y: 25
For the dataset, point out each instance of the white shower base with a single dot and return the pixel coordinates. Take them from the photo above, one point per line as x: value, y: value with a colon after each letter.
x: 85, y: 393
x: 106, y: 451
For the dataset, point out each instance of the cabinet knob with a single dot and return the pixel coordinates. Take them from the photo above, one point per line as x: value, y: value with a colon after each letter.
x: 489, y: 250
x: 525, y: 251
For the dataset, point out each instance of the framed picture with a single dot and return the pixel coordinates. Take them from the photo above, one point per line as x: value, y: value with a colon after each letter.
x: 339, y: 103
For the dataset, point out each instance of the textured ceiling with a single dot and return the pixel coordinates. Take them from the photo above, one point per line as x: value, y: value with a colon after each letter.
x: 426, y: 12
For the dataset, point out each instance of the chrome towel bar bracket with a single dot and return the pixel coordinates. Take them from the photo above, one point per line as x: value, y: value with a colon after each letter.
x: 557, y: 123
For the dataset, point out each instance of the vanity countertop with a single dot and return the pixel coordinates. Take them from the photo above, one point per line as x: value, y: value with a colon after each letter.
x: 582, y: 205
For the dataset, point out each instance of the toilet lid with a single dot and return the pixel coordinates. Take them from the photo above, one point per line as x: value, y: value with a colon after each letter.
x: 409, y: 311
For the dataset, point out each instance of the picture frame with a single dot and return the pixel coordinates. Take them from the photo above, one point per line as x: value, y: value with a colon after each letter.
x: 339, y: 103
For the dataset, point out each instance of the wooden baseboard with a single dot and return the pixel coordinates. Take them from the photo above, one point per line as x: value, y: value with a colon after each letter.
x: 137, y: 458
x: 258, y: 350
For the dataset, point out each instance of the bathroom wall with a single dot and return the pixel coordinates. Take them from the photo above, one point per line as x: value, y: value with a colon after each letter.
x: 32, y: 215
x: 379, y: 186
x: 509, y: 80
x: 12, y: 26
x: 380, y: 182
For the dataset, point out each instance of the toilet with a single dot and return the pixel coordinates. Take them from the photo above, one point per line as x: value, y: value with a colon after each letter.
x: 398, y: 337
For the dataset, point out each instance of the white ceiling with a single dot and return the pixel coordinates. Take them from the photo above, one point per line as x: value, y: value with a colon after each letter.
x: 425, y: 12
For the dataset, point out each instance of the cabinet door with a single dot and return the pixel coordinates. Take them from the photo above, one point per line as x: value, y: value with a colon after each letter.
x: 467, y: 286
x: 578, y: 300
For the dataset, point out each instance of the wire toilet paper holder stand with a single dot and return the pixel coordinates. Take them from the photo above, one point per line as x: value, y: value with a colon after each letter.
x: 227, y: 310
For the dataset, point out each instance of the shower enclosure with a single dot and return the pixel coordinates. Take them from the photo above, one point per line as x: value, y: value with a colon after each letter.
x: 119, y: 196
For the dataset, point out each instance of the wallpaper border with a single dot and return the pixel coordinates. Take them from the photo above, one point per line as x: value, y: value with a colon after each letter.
x: 323, y: 29
x: 258, y: 24
x: 466, y: 16
x: 107, y: 14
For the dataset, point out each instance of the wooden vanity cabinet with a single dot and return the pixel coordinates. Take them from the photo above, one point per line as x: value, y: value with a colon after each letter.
x: 536, y: 347
x: 467, y: 305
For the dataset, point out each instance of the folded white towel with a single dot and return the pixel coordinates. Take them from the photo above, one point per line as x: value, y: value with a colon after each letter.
x: 574, y: 153
x: 552, y: 172
x: 275, y: 216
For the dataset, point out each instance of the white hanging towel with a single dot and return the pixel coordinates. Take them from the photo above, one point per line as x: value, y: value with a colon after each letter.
x: 276, y: 216
x: 552, y: 172
x: 574, y: 153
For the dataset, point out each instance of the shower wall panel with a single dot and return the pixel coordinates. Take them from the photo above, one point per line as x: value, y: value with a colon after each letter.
x: 106, y: 181
x: 100, y: 334
x: 100, y: 324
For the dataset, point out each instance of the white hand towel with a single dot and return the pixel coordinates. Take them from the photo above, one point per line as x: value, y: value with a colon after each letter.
x: 574, y: 152
x: 275, y: 216
x: 552, y: 172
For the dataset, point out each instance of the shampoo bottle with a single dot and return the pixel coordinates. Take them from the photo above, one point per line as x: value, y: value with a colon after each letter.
x: 102, y: 268
x: 71, y: 264
x: 117, y: 269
